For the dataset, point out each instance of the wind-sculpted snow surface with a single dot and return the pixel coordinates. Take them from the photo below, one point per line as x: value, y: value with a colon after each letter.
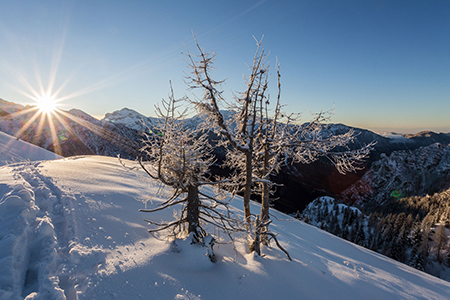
x: 70, y: 229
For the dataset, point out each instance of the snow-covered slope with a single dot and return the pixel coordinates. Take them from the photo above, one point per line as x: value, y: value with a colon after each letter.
x: 14, y: 150
x: 70, y: 229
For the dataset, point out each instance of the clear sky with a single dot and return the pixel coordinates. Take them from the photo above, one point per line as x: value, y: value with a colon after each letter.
x: 383, y: 65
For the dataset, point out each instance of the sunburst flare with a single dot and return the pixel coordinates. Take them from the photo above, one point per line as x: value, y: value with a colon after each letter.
x: 46, y: 104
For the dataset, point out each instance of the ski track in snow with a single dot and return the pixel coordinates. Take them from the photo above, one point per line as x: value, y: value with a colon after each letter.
x: 48, y: 238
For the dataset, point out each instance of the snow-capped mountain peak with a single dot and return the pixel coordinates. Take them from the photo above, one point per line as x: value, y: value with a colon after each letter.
x: 129, y: 118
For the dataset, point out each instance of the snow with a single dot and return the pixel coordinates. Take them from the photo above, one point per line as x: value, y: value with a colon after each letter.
x: 129, y: 118
x: 71, y: 229
x: 329, y: 202
x: 14, y: 150
x: 396, y: 137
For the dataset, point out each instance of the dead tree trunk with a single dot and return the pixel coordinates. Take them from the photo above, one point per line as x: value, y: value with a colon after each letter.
x: 248, y: 186
x: 192, y: 207
x: 265, y: 193
x: 265, y: 190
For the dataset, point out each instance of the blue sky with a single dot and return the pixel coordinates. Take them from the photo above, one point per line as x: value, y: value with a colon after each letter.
x: 383, y: 65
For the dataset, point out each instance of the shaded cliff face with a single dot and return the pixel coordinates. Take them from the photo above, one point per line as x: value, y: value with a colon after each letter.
x: 403, y: 173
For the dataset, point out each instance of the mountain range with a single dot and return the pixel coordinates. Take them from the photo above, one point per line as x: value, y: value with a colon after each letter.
x: 120, y: 133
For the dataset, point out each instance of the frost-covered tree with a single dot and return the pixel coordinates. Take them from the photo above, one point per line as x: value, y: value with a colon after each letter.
x: 240, y: 130
x: 180, y: 158
x: 248, y: 134
x: 260, y: 138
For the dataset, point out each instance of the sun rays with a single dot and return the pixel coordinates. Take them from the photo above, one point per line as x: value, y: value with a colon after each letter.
x: 44, y: 120
x: 46, y: 81
x: 46, y: 104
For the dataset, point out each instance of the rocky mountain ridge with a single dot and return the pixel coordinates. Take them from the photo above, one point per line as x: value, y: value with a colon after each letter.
x: 418, y: 172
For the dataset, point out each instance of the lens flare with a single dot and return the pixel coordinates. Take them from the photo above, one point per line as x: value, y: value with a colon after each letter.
x: 46, y: 104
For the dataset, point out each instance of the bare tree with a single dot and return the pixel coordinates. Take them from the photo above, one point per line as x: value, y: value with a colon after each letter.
x: 282, y: 140
x: 180, y: 159
x: 240, y: 131
x: 260, y: 139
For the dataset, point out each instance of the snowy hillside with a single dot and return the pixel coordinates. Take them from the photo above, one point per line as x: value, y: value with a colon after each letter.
x: 419, y: 240
x: 137, y: 121
x: 70, y: 229
x: 14, y: 150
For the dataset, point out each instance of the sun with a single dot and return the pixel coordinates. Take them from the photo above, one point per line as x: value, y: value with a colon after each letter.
x: 46, y: 104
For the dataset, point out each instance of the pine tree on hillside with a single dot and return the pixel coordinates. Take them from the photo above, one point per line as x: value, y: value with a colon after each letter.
x: 418, y: 260
x: 440, y: 242
x: 345, y: 233
x: 361, y: 236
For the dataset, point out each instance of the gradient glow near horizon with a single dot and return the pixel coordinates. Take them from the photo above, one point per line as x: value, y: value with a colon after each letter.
x: 383, y: 65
